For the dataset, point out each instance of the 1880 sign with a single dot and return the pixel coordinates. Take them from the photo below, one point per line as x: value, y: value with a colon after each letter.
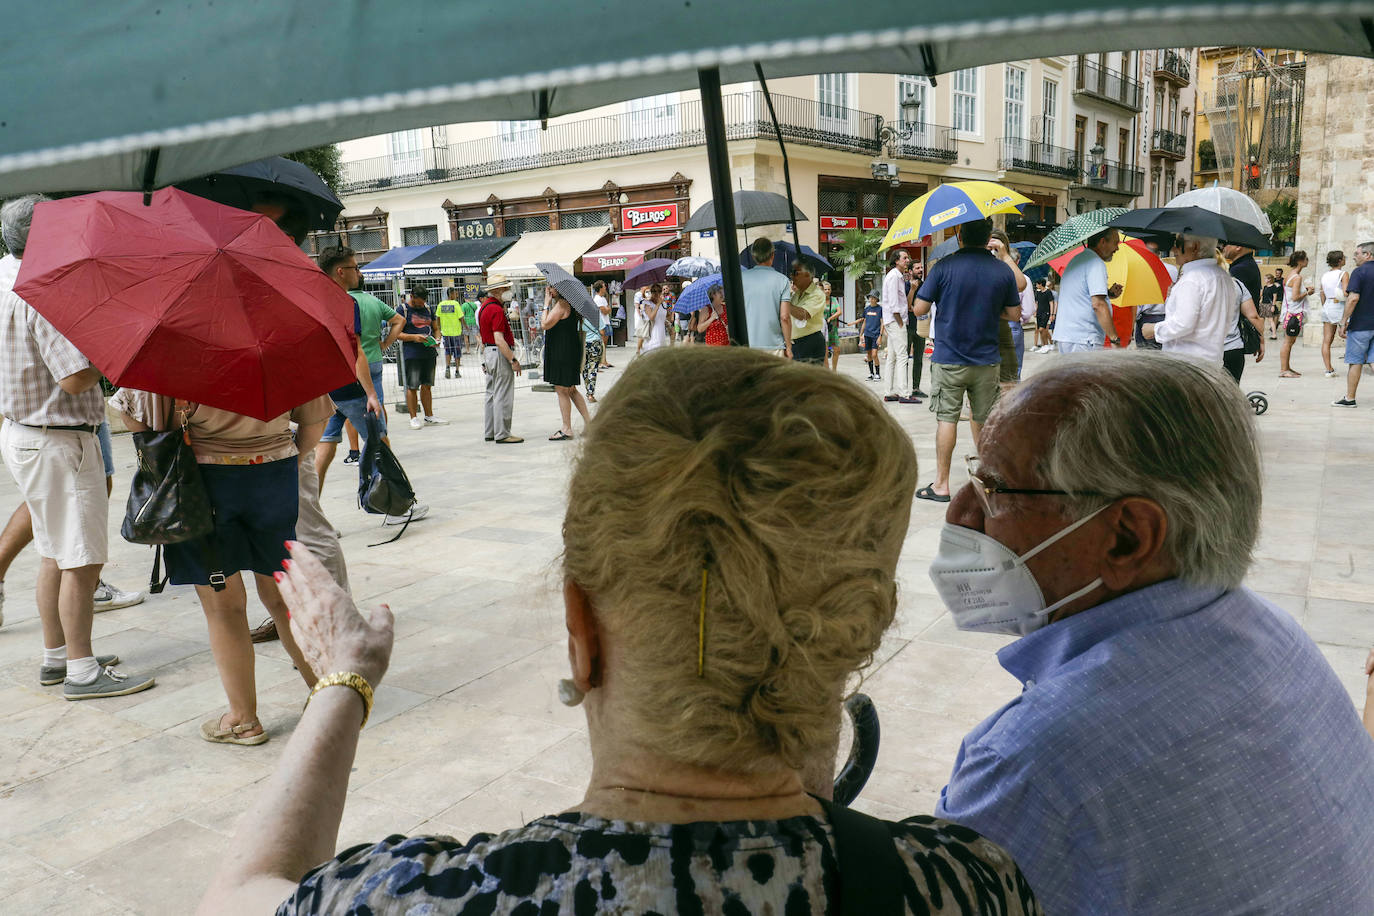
x: 475, y: 229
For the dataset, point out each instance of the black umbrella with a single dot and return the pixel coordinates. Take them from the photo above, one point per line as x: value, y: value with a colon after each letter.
x: 1192, y: 221
x: 240, y: 186
x: 571, y: 288
x: 752, y: 208
x: 945, y: 248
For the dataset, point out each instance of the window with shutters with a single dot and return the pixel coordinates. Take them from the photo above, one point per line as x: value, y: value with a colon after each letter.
x: 965, y: 101
x: 1014, y: 104
x: 583, y: 219
x: 420, y: 235
x: 517, y: 225
x: 835, y: 108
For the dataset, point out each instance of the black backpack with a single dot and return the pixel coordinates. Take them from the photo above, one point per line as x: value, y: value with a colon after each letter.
x: 383, y: 487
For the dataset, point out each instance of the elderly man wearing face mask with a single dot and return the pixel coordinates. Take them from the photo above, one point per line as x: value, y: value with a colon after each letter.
x: 1181, y: 745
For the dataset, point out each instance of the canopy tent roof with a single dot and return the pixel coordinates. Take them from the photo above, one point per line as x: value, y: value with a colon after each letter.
x: 388, y: 266
x: 461, y: 257
x: 166, y: 92
x: 558, y: 246
x: 624, y: 254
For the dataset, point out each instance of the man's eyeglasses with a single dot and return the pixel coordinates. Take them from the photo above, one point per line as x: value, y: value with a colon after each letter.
x: 988, y: 495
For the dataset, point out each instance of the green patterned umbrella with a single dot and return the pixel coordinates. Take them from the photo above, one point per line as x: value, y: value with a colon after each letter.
x: 1068, y: 236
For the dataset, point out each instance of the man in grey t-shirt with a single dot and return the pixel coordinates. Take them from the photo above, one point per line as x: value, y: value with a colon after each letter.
x: 765, y: 291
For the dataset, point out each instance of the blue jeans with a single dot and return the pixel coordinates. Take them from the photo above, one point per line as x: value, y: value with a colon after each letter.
x: 106, y: 446
x: 1359, y: 347
x: 1018, y: 340
x: 355, y: 412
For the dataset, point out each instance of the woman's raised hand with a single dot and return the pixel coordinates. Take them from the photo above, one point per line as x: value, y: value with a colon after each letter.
x: 326, y: 623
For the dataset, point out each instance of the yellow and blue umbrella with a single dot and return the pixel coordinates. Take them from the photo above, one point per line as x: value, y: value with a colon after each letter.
x: 949, y: 205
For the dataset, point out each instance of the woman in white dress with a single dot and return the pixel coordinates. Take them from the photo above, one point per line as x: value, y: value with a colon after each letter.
x: 1333, y: 303
x: 655, y: 317
x: 1296, y: 289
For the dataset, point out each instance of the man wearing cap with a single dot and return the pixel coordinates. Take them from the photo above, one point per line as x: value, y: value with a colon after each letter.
x: 498, y: 362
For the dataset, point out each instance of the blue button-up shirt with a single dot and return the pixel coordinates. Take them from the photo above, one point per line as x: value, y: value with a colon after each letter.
x: 1175, y: 750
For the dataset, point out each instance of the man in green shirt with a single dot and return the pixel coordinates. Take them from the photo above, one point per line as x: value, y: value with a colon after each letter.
x: 373, y: 313
x: 474, y: 339
x: 450, y: 313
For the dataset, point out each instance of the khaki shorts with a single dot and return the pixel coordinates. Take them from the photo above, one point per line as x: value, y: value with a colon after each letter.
x: 951, y: 382
x: 62, y: 477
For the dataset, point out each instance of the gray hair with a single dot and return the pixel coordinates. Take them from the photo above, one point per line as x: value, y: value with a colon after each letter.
x: 1206, y: 247
x: 1173, y: 430
x: 1367, y: 248
x: 15, y: 218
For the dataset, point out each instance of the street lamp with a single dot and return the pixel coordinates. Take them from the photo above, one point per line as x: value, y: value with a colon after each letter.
x: 1095, y: 164
x: 889, y: 136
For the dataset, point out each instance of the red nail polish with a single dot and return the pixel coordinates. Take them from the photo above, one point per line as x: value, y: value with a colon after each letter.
x: 286, y: 565
x: 286, y: 544
x: 278, y: 576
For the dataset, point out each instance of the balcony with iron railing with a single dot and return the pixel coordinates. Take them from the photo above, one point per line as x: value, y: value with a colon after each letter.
x: 1169, y: 143
x: 1035, y: 158
x: 1108, y: 85
x: 1112, y: 177
x: 1172, y: 64
x: 669, y: 127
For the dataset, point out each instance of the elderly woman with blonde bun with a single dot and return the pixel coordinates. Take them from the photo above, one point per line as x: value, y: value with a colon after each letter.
x: 711, y: 652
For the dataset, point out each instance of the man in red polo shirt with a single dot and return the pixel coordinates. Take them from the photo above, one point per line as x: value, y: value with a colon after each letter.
x: 498, y: 362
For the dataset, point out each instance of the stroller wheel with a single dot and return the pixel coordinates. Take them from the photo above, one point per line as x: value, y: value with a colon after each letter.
x: 1258, y: 402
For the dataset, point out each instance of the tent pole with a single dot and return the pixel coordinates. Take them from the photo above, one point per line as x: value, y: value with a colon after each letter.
x: 717, y: 155
x: 786, y: 171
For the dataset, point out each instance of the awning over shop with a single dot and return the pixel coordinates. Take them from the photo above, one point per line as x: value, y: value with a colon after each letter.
x: 625, y: 253
x: 460, y: 258
x: 388, y: 266
x: 561, y: 246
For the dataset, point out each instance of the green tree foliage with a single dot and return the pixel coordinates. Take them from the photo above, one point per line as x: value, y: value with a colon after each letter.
x: 1207, y: 154
x: 859, y: 252
x: 1283, y: 216
x: 326, y: 161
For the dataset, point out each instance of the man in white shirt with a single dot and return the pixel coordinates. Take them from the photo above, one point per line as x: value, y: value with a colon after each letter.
x: 603, y: 305
x: 894, y: 323
x: 1201, y: 307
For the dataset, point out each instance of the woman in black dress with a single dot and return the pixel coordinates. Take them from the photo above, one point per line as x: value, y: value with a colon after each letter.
x: 563, y: 355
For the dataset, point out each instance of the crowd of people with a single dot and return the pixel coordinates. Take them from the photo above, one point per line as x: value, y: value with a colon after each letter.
x: 1180, y: 744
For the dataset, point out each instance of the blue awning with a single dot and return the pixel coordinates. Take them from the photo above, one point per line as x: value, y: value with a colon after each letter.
x: 389, y: 265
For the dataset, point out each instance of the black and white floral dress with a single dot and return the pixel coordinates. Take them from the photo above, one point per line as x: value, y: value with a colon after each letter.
x: 580, y: 864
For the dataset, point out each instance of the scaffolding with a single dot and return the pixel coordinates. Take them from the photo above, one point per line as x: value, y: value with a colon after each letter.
x: 1255, y: 115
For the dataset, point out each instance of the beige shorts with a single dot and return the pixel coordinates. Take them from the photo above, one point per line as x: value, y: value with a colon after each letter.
x: 61, y: 475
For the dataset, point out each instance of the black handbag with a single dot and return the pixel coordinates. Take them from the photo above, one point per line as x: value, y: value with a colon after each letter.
x: 383, y: 487
x: 168, y: 502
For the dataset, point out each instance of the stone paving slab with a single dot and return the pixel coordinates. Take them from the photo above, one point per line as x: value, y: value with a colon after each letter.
x: 97, y: 798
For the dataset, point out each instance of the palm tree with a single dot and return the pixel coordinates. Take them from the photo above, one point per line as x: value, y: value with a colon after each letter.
x: 859, y: 253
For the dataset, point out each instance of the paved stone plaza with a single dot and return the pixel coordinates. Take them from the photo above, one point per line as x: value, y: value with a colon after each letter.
x: 118, y: 806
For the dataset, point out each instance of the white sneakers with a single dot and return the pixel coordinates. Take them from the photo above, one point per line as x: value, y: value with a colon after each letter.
x: 416, y: 513
x: 417, y: 423
x: 109, y: 598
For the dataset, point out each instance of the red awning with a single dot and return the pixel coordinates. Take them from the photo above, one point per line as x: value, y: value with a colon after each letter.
x: 624, y: 253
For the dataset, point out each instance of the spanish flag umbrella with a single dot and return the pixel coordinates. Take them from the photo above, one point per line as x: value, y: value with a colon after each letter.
x: 949, y: 205
x: 1144, y: 280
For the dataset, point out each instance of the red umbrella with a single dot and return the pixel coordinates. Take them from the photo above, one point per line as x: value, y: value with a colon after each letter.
x: 190, y: 299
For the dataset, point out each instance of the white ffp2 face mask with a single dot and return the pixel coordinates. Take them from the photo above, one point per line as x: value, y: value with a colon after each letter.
x: 988, y: 588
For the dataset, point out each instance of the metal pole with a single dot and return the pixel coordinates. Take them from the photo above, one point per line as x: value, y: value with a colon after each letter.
x: 786, y: 171
x: 717, y: 155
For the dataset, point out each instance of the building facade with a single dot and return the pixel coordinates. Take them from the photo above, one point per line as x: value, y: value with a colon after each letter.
x: 1066, y: 132
x: 1336, y: 194
x: 1251, y: 120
